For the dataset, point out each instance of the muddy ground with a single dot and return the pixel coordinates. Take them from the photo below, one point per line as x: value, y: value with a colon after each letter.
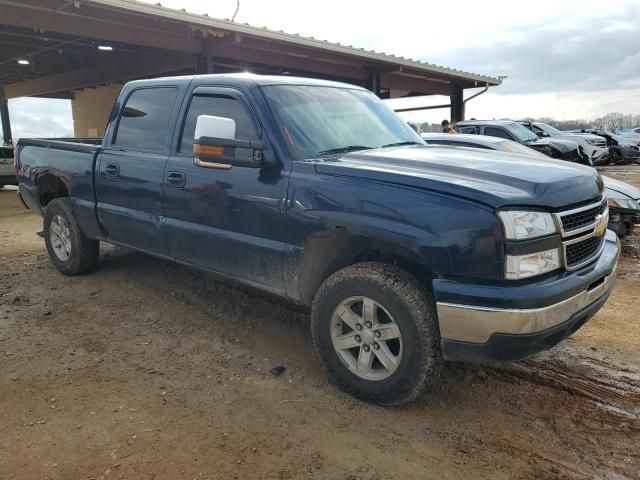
x: 144, y: 370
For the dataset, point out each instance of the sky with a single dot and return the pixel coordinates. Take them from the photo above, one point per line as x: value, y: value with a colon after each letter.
x: 563, y: 58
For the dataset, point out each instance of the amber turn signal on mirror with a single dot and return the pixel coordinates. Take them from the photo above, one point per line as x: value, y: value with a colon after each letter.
x: 204, y: 151
x: 206, y: 156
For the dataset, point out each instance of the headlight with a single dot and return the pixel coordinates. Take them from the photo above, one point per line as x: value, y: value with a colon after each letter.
x: 532, y: 264
x: 626, y: 203
x: 591, y: 141
x: 521, y: 225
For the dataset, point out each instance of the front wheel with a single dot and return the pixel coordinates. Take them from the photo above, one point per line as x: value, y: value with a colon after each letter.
x: 375, y: 329
x: 69, y: 250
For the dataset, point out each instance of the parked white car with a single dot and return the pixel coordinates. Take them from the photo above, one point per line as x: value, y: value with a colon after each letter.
x: 593, y: 145
x: 7, y: 174
x: 632, y: 134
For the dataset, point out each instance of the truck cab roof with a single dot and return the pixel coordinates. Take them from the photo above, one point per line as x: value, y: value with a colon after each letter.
x: 242, y: 79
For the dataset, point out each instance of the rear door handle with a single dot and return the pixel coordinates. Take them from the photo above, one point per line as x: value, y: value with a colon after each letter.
x: 112, y: 170
x: 176, y: 179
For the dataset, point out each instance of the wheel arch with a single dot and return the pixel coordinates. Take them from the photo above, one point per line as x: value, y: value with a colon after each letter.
x: 328, y: 251
x: 49, y: 187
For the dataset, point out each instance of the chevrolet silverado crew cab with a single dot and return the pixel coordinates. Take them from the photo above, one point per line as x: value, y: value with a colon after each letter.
x: 408, y: 254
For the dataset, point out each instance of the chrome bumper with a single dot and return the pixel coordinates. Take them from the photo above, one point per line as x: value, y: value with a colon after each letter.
x: 477, y: 324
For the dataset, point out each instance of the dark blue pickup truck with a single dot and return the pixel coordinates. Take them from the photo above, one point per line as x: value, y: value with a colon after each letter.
x: 316, y: 191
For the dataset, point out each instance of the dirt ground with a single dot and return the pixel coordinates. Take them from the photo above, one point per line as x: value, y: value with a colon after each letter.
x: 146, y: 370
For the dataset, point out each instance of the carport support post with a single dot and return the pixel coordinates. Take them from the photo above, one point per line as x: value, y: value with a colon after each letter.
x: 457, y: 103
x: 4, y: 116
x: 209, y: 64
x: 374, y: 82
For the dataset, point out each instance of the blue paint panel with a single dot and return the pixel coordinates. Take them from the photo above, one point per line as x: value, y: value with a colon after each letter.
x: 229, y: 221
x: 130, y: 205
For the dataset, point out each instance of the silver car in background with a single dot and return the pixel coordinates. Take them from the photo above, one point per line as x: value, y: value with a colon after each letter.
x: 7, y: 174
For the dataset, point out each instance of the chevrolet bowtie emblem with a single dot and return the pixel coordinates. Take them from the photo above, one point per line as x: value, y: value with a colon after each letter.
x: 601, y: 225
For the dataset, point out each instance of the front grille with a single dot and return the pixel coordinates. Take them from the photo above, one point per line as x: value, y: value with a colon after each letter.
x: 583, y: 232
x: 580, y: 252
x: 581, y: 219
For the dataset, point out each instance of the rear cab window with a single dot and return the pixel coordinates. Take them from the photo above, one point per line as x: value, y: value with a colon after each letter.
x: 145, y: 119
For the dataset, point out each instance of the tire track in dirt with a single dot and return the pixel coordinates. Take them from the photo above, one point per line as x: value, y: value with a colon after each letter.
x: 595, y: 410
x: 612, y: 390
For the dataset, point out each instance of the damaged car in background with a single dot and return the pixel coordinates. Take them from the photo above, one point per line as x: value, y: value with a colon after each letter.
x: 622, y: 150
x: 623, y: 199
x: 593, y: 145
x: 509, y: 130
x: 624, y: 206
x: 630, y: 133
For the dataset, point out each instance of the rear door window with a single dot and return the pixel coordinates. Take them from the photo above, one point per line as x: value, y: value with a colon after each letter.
x: 144, y: 119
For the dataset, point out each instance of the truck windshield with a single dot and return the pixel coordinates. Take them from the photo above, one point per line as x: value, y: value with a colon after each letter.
x: 319, y: 120
x: 523, y: 134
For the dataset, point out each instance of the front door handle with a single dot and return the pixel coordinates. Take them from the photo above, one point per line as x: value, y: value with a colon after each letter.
x: 112, y: 170
x: 176, y: 179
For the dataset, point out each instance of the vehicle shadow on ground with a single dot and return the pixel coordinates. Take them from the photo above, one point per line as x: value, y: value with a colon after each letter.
x: 285, y: 324
x: 276, y: 328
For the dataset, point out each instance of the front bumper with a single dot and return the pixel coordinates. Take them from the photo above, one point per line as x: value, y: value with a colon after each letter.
x: 486, y: 322
x: 598, y: 153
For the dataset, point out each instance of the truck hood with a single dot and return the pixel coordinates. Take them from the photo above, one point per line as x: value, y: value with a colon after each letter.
x: 578, y: 136
x: 494, y: 178
x: 563, y: 146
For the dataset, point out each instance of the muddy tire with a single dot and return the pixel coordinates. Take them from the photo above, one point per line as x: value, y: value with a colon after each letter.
x: 375, y: 329
x: 69, y: 250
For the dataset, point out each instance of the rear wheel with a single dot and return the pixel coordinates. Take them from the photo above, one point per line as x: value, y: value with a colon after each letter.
x: 69, y: 250
x: 375, y: 330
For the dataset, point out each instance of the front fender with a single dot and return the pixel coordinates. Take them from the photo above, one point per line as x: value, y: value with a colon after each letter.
x: 330, y: 224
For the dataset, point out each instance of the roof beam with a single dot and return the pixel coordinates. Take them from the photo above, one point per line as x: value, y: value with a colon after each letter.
x: 318, y: 46
x: 71, y: 23
x: 118, y: 71
x: 239, y: 53
x: 301, y: 51
x: 428, y: 87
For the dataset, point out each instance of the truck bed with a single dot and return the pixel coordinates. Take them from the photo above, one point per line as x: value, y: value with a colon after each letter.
x: 69, y: 162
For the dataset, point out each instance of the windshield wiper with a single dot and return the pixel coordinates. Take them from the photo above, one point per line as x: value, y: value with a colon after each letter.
x: 350, y: 148
x: 398, y: 144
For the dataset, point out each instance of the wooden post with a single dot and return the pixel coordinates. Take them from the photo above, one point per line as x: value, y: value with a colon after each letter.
x: 210, y: 65
x: 4, y: 116
x: 374, y: 82
x: 457, y: 103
